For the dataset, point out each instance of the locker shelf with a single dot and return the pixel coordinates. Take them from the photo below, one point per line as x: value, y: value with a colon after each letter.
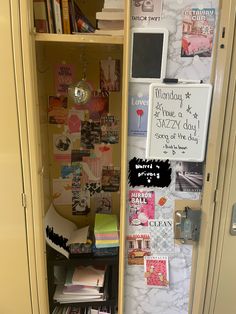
x: 89, y: 38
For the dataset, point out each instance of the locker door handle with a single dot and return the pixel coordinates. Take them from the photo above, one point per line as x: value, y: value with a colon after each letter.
x: 233, y: 221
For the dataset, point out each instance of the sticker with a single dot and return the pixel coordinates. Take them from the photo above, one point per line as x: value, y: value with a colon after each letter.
x: 156, y: 271
x: 141, y: 207
x: 149, y: 173
x: 138, y: 247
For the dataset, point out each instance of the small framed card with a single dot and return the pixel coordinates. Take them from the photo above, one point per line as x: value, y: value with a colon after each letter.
x: 156, y: 271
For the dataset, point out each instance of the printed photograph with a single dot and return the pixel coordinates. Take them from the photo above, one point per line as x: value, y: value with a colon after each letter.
x: 189, y: 176
x: 110, y: 75
x: 90, y: 134
x: 109, y: 129
x: 57, y: 110
x: 110, y: 179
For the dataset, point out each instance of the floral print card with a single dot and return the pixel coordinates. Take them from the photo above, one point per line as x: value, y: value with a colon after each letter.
x: 156, y: 271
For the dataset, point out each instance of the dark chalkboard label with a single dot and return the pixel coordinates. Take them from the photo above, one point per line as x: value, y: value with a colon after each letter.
x: 149, y: 173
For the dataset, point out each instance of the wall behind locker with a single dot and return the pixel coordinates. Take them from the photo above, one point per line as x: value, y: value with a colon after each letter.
x: 139, y: 298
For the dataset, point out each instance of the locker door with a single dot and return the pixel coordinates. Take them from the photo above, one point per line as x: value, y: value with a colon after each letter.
x: 222, y: 298
x: 14, y: 273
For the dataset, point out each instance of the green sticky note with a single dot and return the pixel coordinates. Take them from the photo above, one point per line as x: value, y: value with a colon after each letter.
x: 105, y: 223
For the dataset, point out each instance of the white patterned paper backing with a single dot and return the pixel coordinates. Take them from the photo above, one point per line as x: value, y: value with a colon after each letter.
x: 139, y: 299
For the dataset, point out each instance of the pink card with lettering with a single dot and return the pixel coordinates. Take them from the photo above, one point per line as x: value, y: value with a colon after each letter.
x: 141, y: 207
x: 64, y: 77
x: 156, y: 271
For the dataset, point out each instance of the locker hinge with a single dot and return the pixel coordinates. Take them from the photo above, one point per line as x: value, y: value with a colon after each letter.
x: 23, y: 198
x: 216, y: 196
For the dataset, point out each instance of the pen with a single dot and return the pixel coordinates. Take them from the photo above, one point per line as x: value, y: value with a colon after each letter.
x: 174, y: 80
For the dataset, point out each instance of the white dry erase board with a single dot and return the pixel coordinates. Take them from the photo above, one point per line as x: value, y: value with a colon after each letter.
x: 148, y: 54
x: 178, y: 121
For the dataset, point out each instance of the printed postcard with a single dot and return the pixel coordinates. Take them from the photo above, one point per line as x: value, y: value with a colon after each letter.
x: 90, y: 134
x: 104, y: 152
x: 109, y: 129
x: 74, y: 120
x: 138, y: 246
x: 97, y: 106
x: 80, y: 202
x: 141, y: 207
x: 110, y: 75
x: 62, y: 191
x: 64, y: 77
x: 198, y: 32
x: 156, y: 271
x: 103, y: 203
x: 138, y: 114
x: 161, y: 235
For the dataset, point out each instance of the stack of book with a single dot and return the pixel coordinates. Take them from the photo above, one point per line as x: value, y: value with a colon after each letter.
x: 111, y: 19
x: 82, y: 284
x: 61, y: 17
x: 106, y: 231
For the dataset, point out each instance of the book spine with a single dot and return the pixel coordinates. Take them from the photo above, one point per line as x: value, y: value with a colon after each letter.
x: 50, y: 16
x: 40, y: 16
x: 83, y: 23
x: 57, y: 16
x: 65, y: 16
x: 74, y: 27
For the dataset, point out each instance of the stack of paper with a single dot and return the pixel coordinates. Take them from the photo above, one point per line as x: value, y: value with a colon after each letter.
x: 82, y: 284
x: 111, y: 19
x: 106, y: 231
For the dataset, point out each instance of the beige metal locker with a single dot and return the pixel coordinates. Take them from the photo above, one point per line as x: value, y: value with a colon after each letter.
x: 15, y: 291
x: 40, y: 52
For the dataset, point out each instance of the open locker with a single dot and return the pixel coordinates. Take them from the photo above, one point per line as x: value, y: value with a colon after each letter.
x: 80, y: 146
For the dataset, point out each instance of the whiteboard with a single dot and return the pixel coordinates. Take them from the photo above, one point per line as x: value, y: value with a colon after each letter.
x: 178, y: 121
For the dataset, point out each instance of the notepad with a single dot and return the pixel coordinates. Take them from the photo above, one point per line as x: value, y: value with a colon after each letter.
x: 105, y: 223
